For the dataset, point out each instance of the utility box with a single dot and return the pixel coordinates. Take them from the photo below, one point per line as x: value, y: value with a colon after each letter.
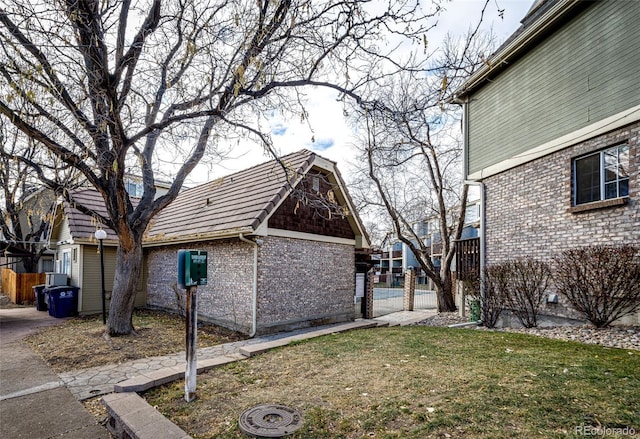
x: 192, y: 268
x: 55, y: 279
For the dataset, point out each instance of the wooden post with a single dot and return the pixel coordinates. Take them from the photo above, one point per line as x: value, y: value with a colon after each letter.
x: 191, y: 370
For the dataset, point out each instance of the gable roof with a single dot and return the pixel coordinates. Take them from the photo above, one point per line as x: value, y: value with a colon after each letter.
x: 236, y: 203
x: 225, y: 207
x: 82, y: 226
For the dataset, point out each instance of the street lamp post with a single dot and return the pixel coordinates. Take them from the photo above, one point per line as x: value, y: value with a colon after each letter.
x: 100, y: 236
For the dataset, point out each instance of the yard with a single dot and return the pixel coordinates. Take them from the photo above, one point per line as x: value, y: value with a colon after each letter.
x: 422, y: 382
x: 64, y: 347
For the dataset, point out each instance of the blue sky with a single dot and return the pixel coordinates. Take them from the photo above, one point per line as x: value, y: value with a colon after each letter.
x: 326, y: 131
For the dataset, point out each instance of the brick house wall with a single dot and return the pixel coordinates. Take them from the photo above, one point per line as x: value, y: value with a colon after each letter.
x: 225, y: 300
x: 528, y: 207
x: 302, y: 283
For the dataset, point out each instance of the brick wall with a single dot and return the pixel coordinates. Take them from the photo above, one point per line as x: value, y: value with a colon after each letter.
x: 300, y: 283
x: 304, y: 282
x: 225, y: 300
x: 527, y: 208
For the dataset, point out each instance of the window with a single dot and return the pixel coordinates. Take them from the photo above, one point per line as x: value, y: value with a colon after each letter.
x: 602, y: 175
x: 66, y: 262
x: 135, y: 189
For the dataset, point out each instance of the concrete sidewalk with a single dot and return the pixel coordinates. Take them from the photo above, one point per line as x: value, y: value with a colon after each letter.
x: 34, y: 403
x: 37, y: 403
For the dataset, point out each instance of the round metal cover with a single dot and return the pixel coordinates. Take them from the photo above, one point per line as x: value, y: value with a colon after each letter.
x: 270, y: 420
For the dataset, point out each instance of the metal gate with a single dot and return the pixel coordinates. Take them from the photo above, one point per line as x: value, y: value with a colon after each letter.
x: 388, y: 299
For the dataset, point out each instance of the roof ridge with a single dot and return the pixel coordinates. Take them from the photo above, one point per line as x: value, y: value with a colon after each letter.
x: 302, y: 151
x: 282, y: 193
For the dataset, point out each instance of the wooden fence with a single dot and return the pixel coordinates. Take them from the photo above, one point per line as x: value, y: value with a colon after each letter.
x: 18, y: 286
x: 468, y: 258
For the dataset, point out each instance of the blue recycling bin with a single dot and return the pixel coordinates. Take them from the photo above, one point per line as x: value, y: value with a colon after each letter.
x: 63, y: 301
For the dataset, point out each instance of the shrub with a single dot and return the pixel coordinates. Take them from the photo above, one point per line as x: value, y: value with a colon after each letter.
x: 526, y: 286
x: 601, y: 282
x: 519, y: 285
x: 492, y: 301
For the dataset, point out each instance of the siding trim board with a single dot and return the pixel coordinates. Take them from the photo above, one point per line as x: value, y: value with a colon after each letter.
x: 308, y: 236
x: 603, y: 126
x: 582, y: 73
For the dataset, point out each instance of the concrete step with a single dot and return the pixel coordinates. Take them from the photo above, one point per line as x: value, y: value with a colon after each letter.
x: 130, y: 416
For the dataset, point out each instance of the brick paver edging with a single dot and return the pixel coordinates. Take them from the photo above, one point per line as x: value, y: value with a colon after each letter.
x: 130, y: 416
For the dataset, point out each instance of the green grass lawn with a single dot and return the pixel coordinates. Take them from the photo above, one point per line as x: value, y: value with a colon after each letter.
x: 421, y: 382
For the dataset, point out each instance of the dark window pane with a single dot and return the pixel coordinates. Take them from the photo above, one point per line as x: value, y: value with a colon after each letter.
x: 588, y: 179
x: 624, y: 188
x: 611, y: 190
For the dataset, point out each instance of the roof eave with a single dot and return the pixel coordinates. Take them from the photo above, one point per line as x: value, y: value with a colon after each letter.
x: 198, y: 237
x: 514, y: 48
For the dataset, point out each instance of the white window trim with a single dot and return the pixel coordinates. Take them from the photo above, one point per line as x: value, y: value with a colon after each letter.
x: 603, y: 183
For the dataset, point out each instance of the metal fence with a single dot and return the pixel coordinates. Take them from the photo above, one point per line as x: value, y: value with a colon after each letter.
x: 387, y: 300
x: 425, y: 299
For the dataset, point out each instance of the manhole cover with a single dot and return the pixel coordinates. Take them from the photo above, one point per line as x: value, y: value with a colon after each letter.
x: 270, y: 420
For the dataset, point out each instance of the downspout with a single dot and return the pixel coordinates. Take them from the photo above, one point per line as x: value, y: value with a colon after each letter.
x: 481, y: 236
x: 480, y: 184
x: 254, y: 296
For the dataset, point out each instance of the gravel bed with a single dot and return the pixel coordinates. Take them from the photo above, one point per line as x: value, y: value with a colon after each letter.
x: 624, y: 337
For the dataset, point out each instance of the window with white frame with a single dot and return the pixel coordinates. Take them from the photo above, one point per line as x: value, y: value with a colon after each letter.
x: 66, y: 262
x: 603, y: 175
x: 134, y: 188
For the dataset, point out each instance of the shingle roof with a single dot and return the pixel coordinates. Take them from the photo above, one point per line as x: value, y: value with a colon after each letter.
x: 237, y: 203
x: 84, y: 226
x: 233, y: 204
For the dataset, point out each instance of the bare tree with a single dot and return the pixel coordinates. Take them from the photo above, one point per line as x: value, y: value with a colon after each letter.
x: 113, y: 84
x: 26, y: 208
x: 411, y: 152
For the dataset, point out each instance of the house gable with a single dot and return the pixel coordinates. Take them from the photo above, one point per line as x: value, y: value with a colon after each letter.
x: 306, y: 213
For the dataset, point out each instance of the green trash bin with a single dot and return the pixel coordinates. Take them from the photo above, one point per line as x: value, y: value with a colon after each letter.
x: 474, y: 310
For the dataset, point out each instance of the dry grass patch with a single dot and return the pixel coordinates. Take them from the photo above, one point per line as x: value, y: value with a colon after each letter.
x: 420, y: 382
x: 78, y: 343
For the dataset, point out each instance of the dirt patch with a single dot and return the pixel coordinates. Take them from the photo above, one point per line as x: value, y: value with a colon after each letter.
x: 80, y: 343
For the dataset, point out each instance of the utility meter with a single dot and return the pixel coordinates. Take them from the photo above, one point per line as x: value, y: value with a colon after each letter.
x: 192, y: 268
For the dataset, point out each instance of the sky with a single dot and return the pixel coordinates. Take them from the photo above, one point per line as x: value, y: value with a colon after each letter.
x: 332, y: 137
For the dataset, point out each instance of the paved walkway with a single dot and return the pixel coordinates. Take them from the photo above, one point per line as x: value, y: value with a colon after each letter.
x: 34, y: 403
x: 95, y: 381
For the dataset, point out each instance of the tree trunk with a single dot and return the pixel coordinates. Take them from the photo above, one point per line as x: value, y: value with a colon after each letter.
x: 128, y: 271
x: 446, y: 302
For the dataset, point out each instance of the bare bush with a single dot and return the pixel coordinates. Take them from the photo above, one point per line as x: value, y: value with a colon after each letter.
x: 491, y: 301
x: 602, y: 282
x: 496, y: 281
x: 519, y: 285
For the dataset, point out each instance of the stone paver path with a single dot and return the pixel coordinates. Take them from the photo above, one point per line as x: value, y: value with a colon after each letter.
x: 96, y: 381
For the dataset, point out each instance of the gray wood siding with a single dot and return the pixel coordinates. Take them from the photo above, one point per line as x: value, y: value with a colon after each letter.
x: 586, y: 71
x: 91, y: 288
